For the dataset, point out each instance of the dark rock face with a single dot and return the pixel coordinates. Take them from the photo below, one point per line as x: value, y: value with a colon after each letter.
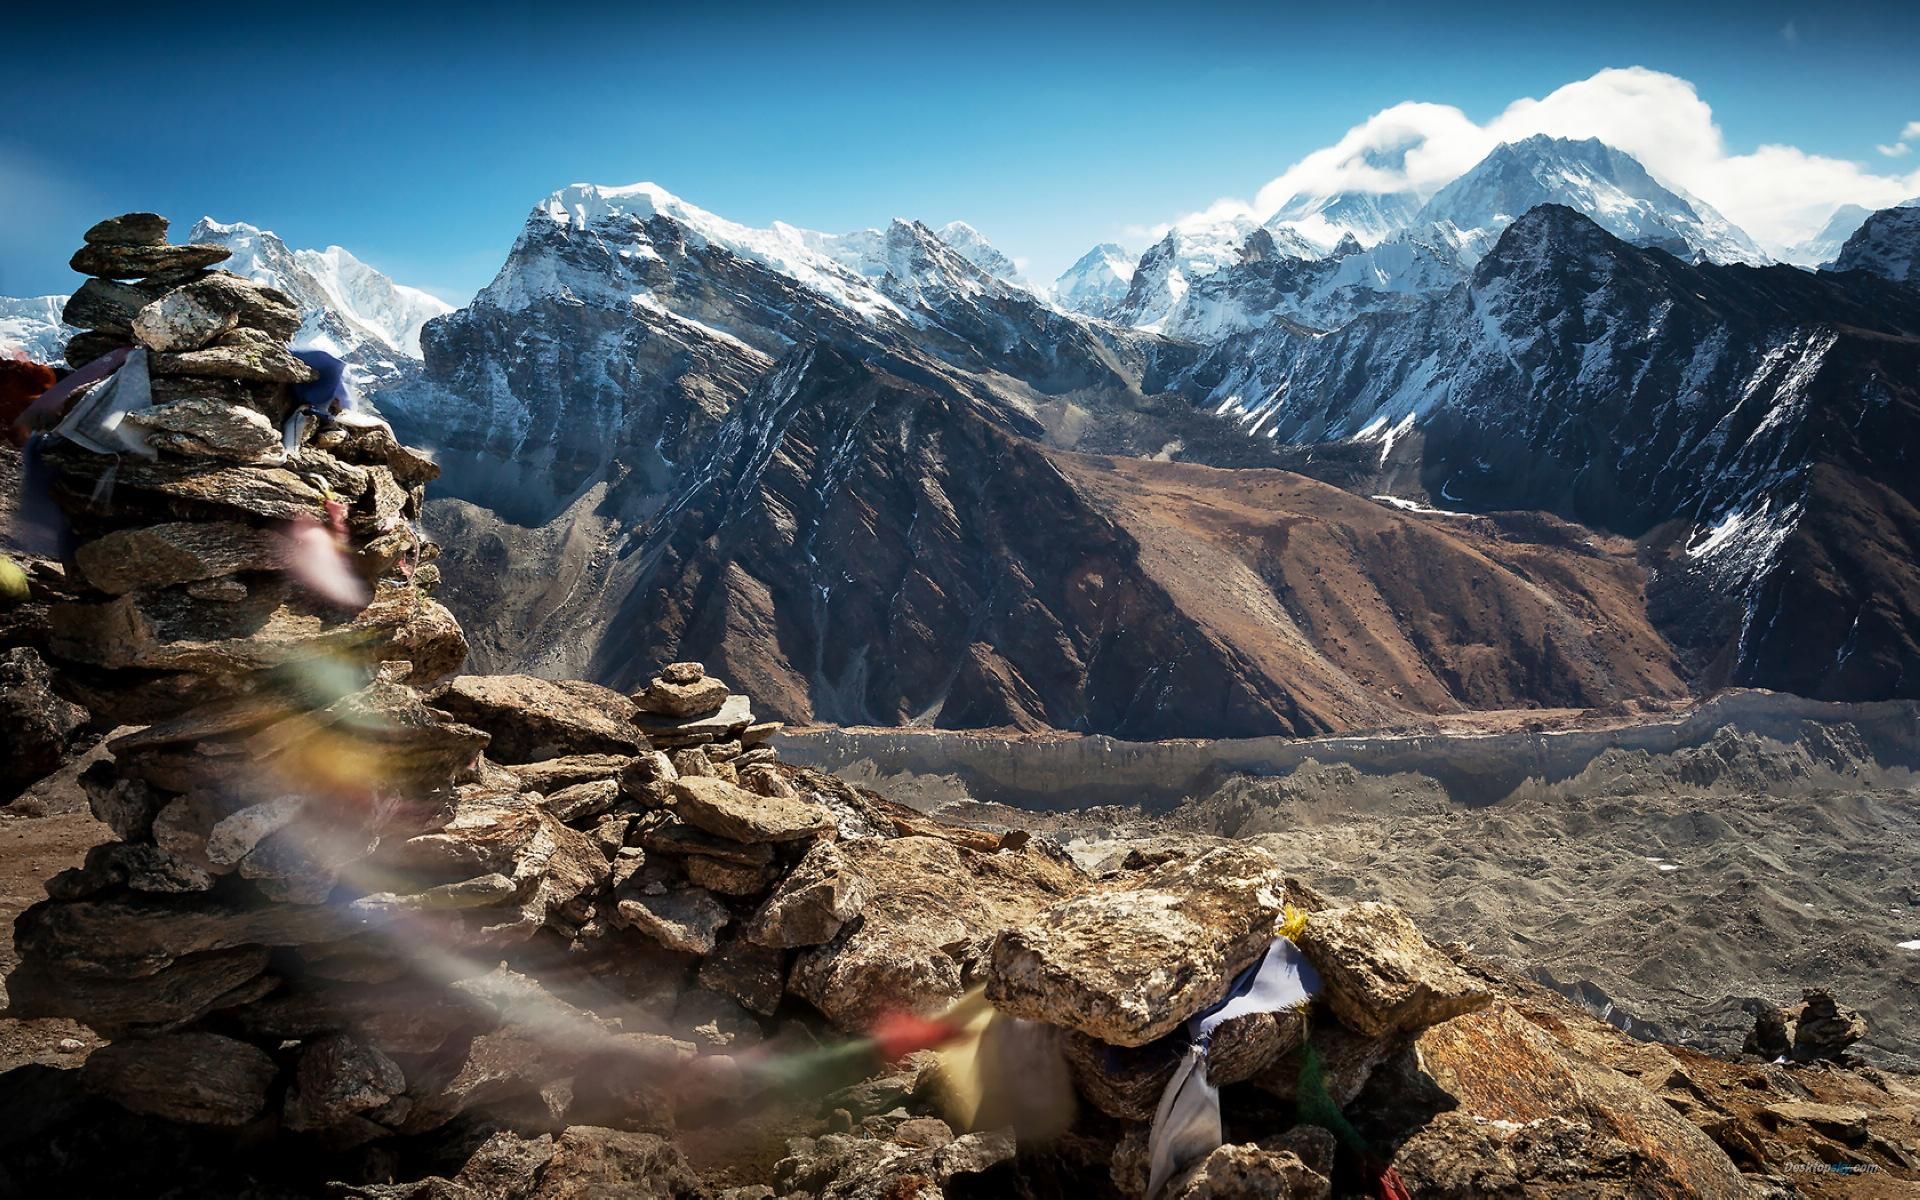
x: 42, y: 728
x: 1887, y: 244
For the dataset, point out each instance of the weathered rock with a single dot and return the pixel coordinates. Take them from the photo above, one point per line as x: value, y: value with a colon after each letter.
x: 1823, y: 1028
x: 1122, y: 1081
x: 711, y: 1019
x: 754, y: 975
x: 533, y: 719
x: 728, y: 879
x: 814, y: 902
x: 1381, y: 975
x: 931, y: 905
x: 694, y: 699
x: 590, y: 1163
x: 126, y: 806
x: 583, y: 800
x: 82, y: 348
x: 209, y: 429
x: 130, y: 260
x: 667, y: 834
x: 199, y: 1078
x: 1242, y: 1172
x: 1131, y: 960
x: 1347, y: 1061
x: 733, y: 717
x: 128, y: 229
x: 683, y: 672
x: 42, y: 729
x: 185, y: 488
x: 193, y: 315
x: 337, y: 1079
x: 102, y: 304
x: 727, y: 811
x: 180, y: 991
x: 551, y: 775
x: 689, y: 921
x: 239, y: 353
x: 1529, y: 1119
x: 178, y: 552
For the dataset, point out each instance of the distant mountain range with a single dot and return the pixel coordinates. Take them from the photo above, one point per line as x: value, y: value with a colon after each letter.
x: 1557, y: 435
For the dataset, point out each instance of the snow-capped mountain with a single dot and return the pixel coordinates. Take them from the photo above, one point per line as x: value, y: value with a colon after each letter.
x: 1326, y: 219
x: 1190, y: 253
x: 627, y: 322
x: 1097, y: 284
x: 350, y: 309
x: 1771, y: 412
x: 1887, y: 244
x: 973, y: 246
x: 32, y: 326
x: 1590, y: 177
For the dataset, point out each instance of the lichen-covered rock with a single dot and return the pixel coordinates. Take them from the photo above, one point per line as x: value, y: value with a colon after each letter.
x: 209, y: 429
x: 730, y: 812
x: 193, y: 315
x: 533, y: 719
x: 176, y: 552
x: 689, y: 920
x: 239, y: 353
x: 1244, y: 1172
x: 1823, y: 1028
x: 338, y: 1079
x: 102, y: 304
x: 931, y: 906
x: 1130, y: 960
x: 128, y: 229
x: 1381, y: 975
x: 138, y: 260
x: 590, y: 1163
x: 198, y: 1078
x: 693, y: 699
x: 814, y: 902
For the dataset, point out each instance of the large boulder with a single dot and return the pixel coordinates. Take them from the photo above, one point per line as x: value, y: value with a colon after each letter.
x: 1382, y: 977
x: 533, y: 719
x: 198, y: 1078
x: 1130, y: 960
x: 931, y: 910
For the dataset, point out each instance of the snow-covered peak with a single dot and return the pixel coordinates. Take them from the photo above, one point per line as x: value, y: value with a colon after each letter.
x: 973, y: 246
x: 31, y: 326
x: 1590, y: 177
x: 1097, y: 284
x: 1821, y: 247
x: 350, y: 309
x: 1326, y: 219
x: 818, y: 261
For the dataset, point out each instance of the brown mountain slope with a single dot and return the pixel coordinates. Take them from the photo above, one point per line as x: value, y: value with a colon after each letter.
x: 1368, y: 614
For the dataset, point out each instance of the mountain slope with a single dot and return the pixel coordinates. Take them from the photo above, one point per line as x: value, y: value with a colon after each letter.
x: 1097, y: 284
x: 866, y: 550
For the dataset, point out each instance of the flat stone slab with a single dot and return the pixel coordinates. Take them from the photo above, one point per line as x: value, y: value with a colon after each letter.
x: 720, y: 808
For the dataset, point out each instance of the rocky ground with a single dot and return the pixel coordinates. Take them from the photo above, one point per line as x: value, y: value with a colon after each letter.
x: 324, y: 916
x: 1675, y: 891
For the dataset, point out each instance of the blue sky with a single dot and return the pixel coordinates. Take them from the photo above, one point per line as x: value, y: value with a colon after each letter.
x: 419, y: 139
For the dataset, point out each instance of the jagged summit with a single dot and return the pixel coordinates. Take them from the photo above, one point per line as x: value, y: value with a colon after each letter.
x: 1887, y: 244
x: 347, y: 307
x: 1591, y: 177
x: 1326, y: 219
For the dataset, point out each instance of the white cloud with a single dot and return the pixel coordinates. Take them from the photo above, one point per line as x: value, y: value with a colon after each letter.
x: 1893, y: 151
x: 1779, y: 194
x: 1911, y: 132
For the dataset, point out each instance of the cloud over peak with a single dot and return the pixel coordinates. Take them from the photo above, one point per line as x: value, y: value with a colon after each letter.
x: 1778, y: 193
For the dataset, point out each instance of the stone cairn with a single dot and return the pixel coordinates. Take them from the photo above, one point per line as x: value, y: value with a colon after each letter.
x: 354, y: 896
